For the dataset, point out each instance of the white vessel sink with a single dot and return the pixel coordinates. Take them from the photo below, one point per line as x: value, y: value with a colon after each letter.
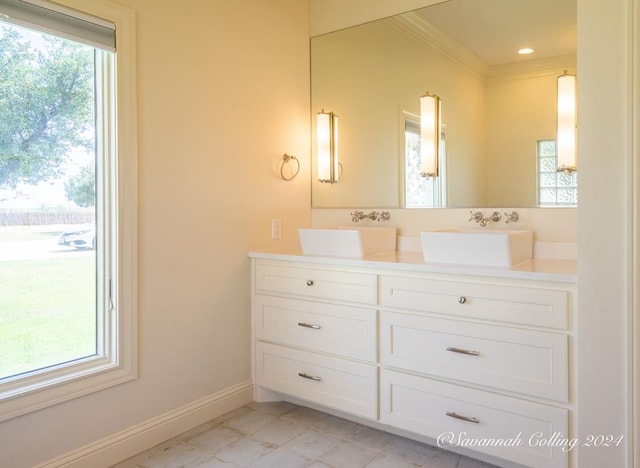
x: 347, y: 242
x: 477, y: 246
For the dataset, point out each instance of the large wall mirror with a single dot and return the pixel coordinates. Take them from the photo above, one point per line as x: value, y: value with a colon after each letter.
x: 498, y: 107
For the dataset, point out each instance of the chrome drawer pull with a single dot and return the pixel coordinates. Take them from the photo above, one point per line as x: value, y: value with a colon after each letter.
x: 463, y: 351
x: 309, y: 325
x: 463, y: 418
x: 310, y: 377
x: 462, y: 299
x: 309, y: 282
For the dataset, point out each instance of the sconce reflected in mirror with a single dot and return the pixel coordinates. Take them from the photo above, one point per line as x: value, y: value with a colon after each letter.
x: 566, y: 123
x: 429, y: 135
x: 327, y: 135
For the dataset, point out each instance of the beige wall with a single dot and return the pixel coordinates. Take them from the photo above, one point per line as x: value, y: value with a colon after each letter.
x: 223, y: 92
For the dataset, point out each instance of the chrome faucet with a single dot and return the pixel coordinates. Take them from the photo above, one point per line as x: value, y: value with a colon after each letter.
x: 358, y: 215
x: 374, y: 215
x: 479, y: 218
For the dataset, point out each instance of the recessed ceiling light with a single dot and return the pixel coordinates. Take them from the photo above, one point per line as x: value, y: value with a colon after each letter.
x: 525, y: 51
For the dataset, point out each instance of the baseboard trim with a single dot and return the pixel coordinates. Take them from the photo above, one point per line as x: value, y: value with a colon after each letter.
x: 143, y: 436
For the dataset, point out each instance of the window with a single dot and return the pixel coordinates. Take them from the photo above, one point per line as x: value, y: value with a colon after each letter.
x: 420, y: 192
x: 554, y: 188
x: 67, y: 269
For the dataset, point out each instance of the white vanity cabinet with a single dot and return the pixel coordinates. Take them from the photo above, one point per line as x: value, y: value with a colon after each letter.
x: 316, y: 335
x: 485, y: 357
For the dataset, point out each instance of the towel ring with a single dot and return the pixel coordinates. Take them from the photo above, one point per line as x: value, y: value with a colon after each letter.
x: 285, y: 160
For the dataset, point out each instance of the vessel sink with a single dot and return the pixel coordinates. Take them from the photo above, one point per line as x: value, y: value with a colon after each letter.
x: 477, y: 246
x: 347, y: 242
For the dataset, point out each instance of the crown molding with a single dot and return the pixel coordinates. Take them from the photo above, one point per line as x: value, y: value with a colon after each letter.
x: 436, y: 39
x: 533, y: 68
x: 439, y: 41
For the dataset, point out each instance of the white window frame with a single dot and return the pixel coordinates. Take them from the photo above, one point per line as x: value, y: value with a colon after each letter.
x: 439, y: 192
x: 116, y: 359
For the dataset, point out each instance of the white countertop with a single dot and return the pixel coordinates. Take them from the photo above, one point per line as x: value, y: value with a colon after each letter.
x: 537, y: 269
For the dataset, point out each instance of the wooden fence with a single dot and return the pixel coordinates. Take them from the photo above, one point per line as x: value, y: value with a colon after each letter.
x: 26, y: 218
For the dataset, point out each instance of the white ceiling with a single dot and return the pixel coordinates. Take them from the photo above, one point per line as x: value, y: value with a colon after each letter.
x: 495, y: 29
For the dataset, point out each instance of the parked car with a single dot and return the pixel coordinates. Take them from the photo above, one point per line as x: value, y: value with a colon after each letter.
x: 82, y: 237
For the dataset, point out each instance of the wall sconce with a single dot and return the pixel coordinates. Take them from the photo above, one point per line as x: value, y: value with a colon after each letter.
x: 327, y: 136
x: 566, y: 123
x: 429, y: 135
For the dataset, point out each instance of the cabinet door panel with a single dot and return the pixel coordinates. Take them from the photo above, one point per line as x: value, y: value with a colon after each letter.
x: 437, y: 409
x: 336, y: 383
x: 317, y: 282
x: 526, y: 361
x: 514, y: 304
x: 329, y: 328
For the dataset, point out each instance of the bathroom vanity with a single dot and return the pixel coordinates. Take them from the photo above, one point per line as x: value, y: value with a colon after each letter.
x: 423, y: 349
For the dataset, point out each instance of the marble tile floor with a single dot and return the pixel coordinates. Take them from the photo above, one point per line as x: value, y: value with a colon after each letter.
x: 283, y: 435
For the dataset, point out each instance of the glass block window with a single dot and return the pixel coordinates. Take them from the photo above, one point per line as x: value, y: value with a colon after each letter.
x: 554, y: 188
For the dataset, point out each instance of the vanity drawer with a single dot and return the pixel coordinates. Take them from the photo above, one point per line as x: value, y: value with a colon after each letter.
x: 432, y: 408
x: 514, y: 304
x: 317, y: 282
x: 525, y: 361
x: 329, y: 328
x: 336, y: 383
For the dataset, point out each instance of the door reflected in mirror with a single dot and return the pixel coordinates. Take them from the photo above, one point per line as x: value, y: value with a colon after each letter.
x: 497, y: 105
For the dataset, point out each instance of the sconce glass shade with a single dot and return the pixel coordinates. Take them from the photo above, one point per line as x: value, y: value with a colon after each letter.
x: 566, y: 123
x: 429, y: 135
x: 327, y: 136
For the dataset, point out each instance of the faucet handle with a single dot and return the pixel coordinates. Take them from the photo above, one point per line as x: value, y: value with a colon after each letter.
x: 512, y: 217
x: 356, y: 216
x: 384, y: 216
x: 477, y: 216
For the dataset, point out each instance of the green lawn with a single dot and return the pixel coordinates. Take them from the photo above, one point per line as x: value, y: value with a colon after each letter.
x: 47, y: 308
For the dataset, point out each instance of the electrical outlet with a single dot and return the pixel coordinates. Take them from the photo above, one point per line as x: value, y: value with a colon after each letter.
x: 276, y: 229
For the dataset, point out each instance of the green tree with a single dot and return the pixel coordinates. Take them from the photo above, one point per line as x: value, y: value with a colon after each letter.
x: 46, y: 105
x: 81, y: 189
